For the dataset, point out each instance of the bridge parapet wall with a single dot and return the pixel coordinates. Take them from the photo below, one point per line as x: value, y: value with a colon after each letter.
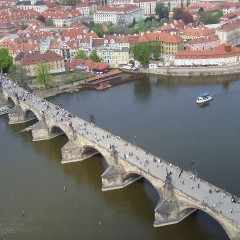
x: 174, y: 205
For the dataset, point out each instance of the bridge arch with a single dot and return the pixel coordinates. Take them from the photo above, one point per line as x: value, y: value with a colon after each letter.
x: 30, y: 114
x: 134, y: 174
x: 10, y: 101
x: 219, y: 220
x: 56, y: 130
x: 87, y: 149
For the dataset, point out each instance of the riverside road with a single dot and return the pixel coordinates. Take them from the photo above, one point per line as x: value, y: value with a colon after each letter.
x: 186, y: 181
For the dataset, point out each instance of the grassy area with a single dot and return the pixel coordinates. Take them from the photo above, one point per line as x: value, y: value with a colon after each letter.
x: 64, y: 78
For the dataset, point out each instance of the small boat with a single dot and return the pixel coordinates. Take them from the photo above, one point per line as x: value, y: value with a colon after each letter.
x: 103, y: 85
x: 204, y: 97
x: 4, y: 110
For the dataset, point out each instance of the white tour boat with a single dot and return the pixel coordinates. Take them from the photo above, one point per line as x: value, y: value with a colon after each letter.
x: 204, y: 97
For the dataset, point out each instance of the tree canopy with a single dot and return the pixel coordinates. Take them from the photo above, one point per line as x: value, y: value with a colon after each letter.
x: 81, y: 55
x: 94, y: 57
x: 42, y: 74
x: 142, y: 53
x: 179, y: 14
x: 70, y: 2
x: 6, y: 61
x: 162, y: 11
x: 209, y: 18
x: 41, y: 18
x: 19, y: 75
x: 49, y: 22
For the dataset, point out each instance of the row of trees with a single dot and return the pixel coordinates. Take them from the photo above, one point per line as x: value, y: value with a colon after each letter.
x: 93, y: 56
x: 209, y: 18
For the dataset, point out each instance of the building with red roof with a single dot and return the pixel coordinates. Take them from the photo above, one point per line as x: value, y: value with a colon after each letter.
x: 29, y: 61
x: 229, y: 33
x: 222, y: 55
x: 203, y: 43
x: 6, y: 28
x: 169, y: 43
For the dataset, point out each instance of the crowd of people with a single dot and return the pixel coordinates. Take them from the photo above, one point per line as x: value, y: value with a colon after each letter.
x: 186, y: 181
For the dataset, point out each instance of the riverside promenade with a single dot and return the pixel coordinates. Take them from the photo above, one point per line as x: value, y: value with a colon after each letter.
x: 194, y: 71
x: 180, y: 192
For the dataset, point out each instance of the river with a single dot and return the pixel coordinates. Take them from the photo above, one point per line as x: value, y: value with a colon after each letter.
x: 42, y: 199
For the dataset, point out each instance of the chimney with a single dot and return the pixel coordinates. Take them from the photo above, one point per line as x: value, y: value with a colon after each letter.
x: 228, y: 48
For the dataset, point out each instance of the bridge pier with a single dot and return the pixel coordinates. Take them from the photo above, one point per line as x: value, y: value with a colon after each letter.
x: 40, y: 132
x: 168, y: 209
x: 73, y: 152
x: 16, y: 115
x: 113, y: 178
x: 168, y: 212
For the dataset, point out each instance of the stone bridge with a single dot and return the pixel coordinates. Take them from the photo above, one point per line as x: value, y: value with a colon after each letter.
x: 180, y: 192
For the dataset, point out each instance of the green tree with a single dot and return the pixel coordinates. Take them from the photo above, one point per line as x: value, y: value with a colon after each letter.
x: 208, y: 18
x: 94, y: 57
x: 49, y: 22
x: 19, y: 75
x: 42, y: 74
x: 6, y: 61
x: 98, y: 30
x: 162, y: 11
x: 70, y: 2
x: 111, y: 29
x: 142, y: 52
x: 81, y: 55
x: 23, y: 26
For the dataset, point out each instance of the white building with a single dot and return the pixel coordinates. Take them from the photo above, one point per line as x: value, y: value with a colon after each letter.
x: 229, y: 33
x: 113, y: 14
x: 83, y: 8
x: 37, y: 6
x: 222, y: 55
x: 149, y: 6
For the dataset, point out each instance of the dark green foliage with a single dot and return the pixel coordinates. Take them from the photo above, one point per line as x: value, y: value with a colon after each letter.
x: 6, y: 61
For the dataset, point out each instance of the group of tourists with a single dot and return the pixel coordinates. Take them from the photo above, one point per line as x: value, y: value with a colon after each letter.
x: 185, y: 181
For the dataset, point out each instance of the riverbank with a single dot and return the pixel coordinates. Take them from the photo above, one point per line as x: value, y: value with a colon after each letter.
x: 193, y: 71
x: 63, y: 83
x: 78, y: 85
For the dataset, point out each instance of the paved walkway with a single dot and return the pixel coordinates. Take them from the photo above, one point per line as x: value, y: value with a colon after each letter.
x: 207, y: 194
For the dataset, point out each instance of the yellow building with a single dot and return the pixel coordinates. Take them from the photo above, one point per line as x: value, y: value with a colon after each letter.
x: 121, y: 56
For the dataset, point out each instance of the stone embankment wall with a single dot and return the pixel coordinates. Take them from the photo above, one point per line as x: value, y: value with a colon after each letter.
x: 193, y: 71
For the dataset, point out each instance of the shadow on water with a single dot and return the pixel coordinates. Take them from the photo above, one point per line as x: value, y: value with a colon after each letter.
x: 137, y: 200
x: 174, y: 81
x: 142, y: 89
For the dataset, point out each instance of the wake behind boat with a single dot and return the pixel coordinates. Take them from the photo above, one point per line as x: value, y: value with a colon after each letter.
x: 204, y: 97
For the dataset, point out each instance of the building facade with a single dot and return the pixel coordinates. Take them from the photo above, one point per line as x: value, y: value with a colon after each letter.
x: 114, y: 14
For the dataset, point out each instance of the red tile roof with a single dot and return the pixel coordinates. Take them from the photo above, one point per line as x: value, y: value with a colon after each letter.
x: 88, y: 63
x: 218, y: 52
x: 160, y: 37
x: 31, y: 59
x: 204, y: 39
x: 230, y: 26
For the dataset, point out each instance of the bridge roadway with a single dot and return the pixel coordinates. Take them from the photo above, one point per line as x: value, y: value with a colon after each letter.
x: 188, y: 183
